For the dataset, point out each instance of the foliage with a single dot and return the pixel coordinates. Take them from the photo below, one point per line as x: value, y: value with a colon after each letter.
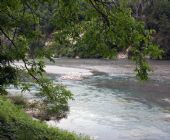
x: 55, y: 105
x: 86, y: 27
x: 22, y: 30
x: 156, y: 15
x: 158, y: 18
x: 102, y: 29
x: 16, y: 125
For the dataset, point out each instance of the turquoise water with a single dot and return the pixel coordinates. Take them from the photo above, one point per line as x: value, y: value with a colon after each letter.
x: 110, y: 103
x: 118, y: 108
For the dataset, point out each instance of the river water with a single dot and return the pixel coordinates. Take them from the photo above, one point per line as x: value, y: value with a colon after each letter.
x: 110, y: 103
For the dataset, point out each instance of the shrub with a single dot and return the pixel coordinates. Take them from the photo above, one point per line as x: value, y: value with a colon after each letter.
x: 19, y: 100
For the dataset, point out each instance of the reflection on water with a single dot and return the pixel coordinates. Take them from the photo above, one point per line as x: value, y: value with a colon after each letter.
x: 118, y: 108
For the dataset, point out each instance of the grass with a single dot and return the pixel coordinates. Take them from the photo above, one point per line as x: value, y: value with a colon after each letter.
x: 15, y: 124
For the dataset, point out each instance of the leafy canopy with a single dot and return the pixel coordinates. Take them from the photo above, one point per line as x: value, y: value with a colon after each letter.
x: 97, y: 28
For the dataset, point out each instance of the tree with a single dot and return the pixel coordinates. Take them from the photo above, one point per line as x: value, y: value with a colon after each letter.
x: 155, y: 14
x: 21, y: 29
x: 105, y: 25
x: 102, y: 29
x: 158, y: 18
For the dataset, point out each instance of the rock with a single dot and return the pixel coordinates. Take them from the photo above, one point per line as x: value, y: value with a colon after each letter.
x: 77, y: 57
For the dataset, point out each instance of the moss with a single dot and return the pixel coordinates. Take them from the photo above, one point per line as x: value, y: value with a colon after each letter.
x: 15, y: 124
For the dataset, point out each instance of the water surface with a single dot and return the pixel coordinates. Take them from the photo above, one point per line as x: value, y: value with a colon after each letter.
x: 112, y: 105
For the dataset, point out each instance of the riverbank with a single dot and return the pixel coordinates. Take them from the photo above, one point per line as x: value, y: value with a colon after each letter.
x: 15, y: 124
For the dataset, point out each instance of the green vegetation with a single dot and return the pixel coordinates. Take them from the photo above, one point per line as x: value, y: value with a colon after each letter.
x: 34, y: 30
x: 156, y: 15
x: 21, y: 29
x: 102, y: 29
x: 158, y: 18
x: 16, y: 125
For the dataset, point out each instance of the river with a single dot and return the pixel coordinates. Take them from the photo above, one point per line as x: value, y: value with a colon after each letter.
x: 110, y: 103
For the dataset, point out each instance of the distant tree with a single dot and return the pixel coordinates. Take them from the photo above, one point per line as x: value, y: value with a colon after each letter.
x: 158, y: 18
x: 156, y: 15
